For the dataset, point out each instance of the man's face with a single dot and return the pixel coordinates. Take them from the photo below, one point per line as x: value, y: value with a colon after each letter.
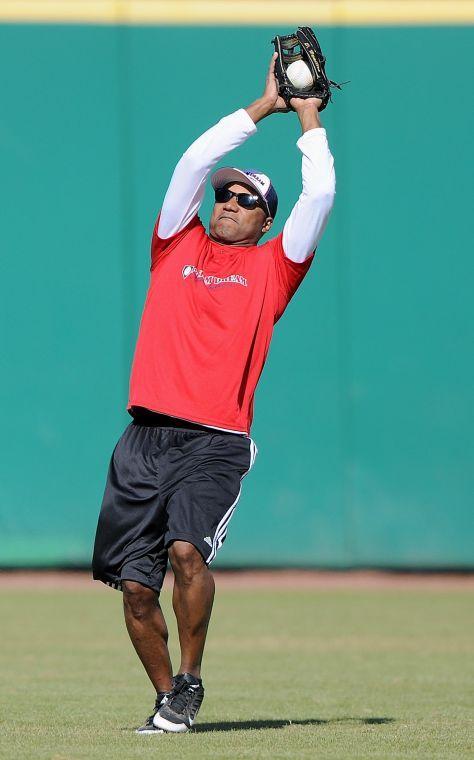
x: 231, y: 224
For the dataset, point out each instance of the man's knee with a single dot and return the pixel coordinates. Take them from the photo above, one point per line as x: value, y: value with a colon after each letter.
x: 138, y: 600
x: 186, y: 561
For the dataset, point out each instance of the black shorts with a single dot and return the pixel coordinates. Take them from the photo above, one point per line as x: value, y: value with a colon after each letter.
x: 167, y: 483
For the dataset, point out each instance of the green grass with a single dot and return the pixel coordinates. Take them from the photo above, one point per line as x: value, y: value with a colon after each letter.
x: 303, y: 674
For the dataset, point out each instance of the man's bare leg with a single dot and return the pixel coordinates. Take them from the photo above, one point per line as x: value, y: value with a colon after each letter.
x: 193, y: 596
x: 147, y: 629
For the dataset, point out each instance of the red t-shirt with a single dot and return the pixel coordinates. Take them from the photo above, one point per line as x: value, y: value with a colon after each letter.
x: 207, y: 324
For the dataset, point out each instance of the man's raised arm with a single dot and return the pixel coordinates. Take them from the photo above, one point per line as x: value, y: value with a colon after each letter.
x: 186, y: 190
x: 305, y: 225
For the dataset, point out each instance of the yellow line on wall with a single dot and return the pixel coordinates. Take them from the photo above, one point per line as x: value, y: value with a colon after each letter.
x: 239, y: 12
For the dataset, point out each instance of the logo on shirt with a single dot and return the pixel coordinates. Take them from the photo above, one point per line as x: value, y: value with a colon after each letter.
x: 211, y: 280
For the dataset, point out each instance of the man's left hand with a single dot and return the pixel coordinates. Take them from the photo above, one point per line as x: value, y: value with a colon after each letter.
x: 300, y: 103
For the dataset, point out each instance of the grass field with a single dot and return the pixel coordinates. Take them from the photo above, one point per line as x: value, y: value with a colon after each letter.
x: 342, y: 673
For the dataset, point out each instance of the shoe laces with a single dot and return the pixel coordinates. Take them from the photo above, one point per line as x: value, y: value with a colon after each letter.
x: 182, y: 697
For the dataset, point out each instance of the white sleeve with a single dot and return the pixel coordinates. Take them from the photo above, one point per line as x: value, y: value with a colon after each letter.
x: 186, y: 190
x: 305, y: 225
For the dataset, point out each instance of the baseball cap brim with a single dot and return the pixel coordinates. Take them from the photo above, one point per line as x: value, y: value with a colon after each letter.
x: 228, y: 174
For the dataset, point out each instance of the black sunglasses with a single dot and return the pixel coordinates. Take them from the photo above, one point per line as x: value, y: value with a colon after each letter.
x: 246, y: 200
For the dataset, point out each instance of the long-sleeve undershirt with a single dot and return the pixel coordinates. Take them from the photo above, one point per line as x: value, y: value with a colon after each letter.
x: 305, y: 225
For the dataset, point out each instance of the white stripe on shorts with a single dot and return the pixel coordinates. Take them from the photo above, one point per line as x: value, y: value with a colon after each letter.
x: 221, y: 530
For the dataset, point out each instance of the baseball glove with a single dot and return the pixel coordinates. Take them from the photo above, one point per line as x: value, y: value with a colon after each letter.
x: 302, y: 45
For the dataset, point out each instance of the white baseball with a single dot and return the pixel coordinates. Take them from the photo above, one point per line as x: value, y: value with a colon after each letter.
x: 300, y: 75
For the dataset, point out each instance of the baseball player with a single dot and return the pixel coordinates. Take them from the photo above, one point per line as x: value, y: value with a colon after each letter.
x: 175, y: 475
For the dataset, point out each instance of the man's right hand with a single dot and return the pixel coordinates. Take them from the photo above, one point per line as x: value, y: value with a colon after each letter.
x: 270, y: 101
x: 271, y: 88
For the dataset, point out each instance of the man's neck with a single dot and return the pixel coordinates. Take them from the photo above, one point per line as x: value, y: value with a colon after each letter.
x: 240, y: 244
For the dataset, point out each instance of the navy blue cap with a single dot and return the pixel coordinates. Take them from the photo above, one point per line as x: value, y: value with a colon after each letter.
x: 254, y: 177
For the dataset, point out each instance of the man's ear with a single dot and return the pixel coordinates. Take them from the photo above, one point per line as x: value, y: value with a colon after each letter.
x: 267, y: 224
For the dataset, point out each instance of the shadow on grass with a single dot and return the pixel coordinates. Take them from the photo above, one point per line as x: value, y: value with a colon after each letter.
x: 252, y: 725
x: 248, y: 725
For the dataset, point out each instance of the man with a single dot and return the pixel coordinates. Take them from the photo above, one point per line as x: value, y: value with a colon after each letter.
x: 175, y: 475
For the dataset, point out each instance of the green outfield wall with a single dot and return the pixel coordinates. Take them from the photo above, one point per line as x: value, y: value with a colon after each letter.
x: 364, y: 414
